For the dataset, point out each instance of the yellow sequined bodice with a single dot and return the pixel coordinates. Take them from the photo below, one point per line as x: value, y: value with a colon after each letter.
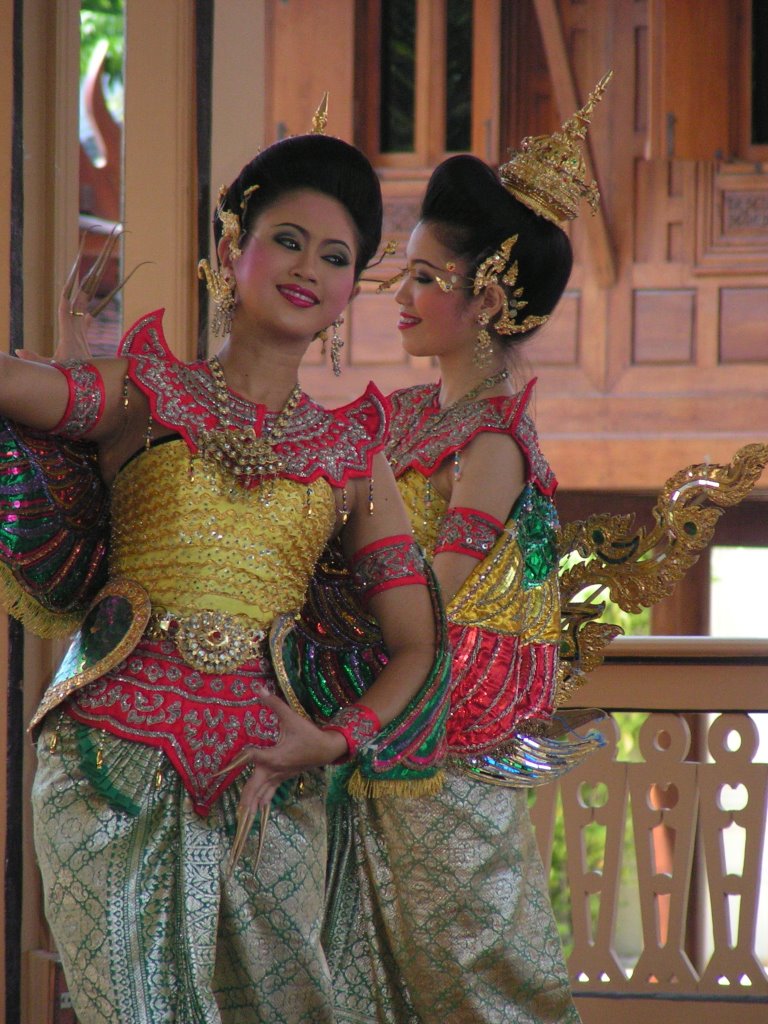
x: 426, y: 508
x: 494, y: 595
x: 193, y: 548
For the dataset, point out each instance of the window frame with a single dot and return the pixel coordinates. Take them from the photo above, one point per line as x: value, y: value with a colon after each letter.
x: 430, y: 84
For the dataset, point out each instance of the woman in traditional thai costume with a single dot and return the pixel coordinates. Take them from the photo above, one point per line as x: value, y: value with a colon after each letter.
x: 438, y: 908
x: 225, y: 484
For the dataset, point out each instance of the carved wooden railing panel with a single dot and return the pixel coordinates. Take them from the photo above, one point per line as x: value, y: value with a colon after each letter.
x: 693, y: 811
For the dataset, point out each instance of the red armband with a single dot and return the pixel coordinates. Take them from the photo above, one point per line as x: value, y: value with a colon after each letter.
x: 358, y: 725
x: 85, y: 406
x: 467, y: 531
x: 392, y: 562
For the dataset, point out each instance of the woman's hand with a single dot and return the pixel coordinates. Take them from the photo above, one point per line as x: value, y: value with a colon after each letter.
x: 301, y: 745
x: 77, y: 311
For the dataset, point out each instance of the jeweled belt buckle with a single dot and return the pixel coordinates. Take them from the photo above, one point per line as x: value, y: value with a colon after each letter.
x: 210, y: 641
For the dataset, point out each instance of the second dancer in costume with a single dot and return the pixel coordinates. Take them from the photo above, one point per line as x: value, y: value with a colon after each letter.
x: 438, y: 907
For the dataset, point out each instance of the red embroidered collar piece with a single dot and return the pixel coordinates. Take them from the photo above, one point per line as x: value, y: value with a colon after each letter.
x: 335, y: 444
x: 422, y: 436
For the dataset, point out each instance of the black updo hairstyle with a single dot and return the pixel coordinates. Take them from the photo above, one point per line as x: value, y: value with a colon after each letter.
x: 317, y: 162
x: 471, y: 213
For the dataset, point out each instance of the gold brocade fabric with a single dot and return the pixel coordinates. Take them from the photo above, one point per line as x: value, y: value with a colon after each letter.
x: 425, y: 506
x: 150, y: 928
x: 494, y: 595
x: 177, y: 532
x: 440, y: 912
x: 438, y: 909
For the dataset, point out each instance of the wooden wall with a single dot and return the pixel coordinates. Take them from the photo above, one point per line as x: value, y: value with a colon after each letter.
x: 658, y: 353
x: 6, y: 127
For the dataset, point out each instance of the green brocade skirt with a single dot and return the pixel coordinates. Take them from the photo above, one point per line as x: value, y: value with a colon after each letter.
x: 438, y: 912
x: 149, y: 927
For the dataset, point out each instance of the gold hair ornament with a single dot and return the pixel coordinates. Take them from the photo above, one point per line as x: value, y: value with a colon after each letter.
x: 453, y: 282
x: 390, y: 248
x: 548, y: 173
x: 498, y: 264
x: 231, y: 226
x: 221, y: 291
x: 320, y: 117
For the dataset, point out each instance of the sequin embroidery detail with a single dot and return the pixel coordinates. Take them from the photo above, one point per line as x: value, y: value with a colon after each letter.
x: 86, y: 400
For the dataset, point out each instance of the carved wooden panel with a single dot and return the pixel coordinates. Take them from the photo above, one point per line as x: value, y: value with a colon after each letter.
x: 744, y: 325
x: 558, y: 342
x: 663, y: 328
x: 732, y: 219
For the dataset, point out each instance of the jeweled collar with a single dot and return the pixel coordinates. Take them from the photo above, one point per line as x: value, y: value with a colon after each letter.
x: 335, y: 444
x: 422, y: 435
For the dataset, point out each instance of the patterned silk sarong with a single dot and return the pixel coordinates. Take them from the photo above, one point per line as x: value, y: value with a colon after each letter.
x: 142, y: 906
x: 440, y: 912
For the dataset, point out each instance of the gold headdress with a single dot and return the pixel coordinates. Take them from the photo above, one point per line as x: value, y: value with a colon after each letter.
x: 548, y: 173
x: 320, y: 117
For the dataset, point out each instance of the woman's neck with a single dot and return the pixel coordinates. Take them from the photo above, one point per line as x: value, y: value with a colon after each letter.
x: 262, y: 372
x: 459, y: 376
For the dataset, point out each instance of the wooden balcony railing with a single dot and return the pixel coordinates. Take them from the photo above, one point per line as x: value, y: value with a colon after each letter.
x: 659, y: 838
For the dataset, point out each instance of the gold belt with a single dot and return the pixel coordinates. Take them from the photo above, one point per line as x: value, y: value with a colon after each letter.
x: 208, y: 641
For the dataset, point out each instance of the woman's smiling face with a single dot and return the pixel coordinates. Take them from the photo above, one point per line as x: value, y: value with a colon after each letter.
x: 297, y: 269
x: 434, y: 322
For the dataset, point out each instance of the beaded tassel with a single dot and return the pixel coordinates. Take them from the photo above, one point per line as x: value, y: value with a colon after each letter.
x: 344, y: 513
x: 457, y: 465
x: 148, y: 435
x: 100, y: 751
x: 53, y: 742
x: 370, y: 496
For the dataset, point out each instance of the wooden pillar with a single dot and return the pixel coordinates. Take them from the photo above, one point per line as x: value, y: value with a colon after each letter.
x: 686, y: 611
x: 6, y: 145
x: 160, y: 178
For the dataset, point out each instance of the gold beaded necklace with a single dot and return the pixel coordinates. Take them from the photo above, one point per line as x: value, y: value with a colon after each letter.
x: 239, y: 451
x: 484, y: 385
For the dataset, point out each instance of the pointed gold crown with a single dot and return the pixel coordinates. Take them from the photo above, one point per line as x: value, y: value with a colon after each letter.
x: 548, y: 174
x: 320, y: 117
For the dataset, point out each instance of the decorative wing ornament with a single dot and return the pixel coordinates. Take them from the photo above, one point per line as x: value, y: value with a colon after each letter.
x: 54, y: 528
x: 636, y: 567
x: 332, y: 651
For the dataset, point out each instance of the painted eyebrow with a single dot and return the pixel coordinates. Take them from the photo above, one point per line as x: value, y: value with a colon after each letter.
x: 427, y: 264
x: 303, y: 231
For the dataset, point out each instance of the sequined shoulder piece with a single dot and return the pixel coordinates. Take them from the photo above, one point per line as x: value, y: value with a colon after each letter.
x: 334, y: 444
x: 181, y: 395
x: 422, y: 437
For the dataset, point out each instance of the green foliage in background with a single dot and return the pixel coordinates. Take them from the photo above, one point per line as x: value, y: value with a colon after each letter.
x: 103, y: 19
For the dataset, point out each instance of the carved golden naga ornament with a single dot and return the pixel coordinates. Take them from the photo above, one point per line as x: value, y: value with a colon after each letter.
x: 637, y: 568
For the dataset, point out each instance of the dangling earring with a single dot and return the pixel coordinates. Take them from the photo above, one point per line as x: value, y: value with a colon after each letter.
x: 221, y: 290
x: 337, y: 344
x: 322, y: 337
x: 483, y: 345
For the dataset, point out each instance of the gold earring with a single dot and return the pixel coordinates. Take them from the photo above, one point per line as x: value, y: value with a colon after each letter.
x: 483, y: 345
x: 337, y: 344
x: 221, y: 290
